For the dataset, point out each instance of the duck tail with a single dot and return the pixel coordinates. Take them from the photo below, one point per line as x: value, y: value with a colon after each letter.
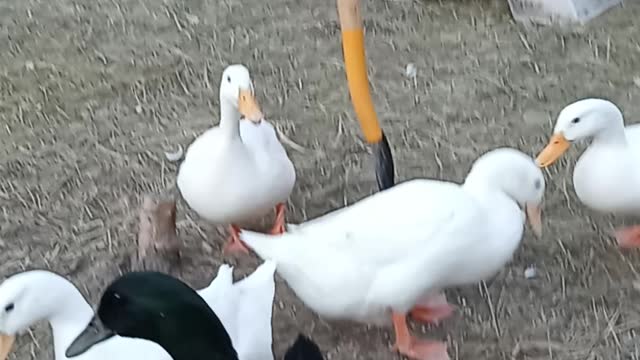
x: 260, y: 283
x: 225, y: 275
x: 254, y: 305
x: 265, y: 245
x: 303, y: 349
x: 262, y: 275
x: 220, y: 284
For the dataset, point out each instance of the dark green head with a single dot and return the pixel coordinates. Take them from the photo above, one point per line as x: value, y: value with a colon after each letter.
x: 162, y: 309
x: 303, y: 349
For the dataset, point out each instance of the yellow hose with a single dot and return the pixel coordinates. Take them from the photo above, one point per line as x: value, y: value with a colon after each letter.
x: 356, y: 69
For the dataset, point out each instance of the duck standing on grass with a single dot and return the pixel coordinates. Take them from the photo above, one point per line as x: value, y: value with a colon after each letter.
x: 163, y: 309
x: 237, y: 171
x: 606, y: 178
x: 244, y: 307
x: 374, y: 260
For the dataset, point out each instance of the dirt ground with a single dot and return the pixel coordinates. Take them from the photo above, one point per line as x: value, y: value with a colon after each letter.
x: 93, y: 93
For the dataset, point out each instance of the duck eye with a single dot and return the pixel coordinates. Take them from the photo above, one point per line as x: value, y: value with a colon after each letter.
x: 537, y: 184
x: 9, y: 307
x: 228, y: 78
x: 575, y: 121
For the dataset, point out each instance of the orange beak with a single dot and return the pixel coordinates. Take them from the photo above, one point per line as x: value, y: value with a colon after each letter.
x: 248, y: 107
x: 6, y: 344
x: 534, y: 214
x: 557, y: 146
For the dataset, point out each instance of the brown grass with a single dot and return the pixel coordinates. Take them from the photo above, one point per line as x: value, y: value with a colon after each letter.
x: 93, y: 93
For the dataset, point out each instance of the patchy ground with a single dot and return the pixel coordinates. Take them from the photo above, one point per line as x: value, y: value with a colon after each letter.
x: 93, y: 93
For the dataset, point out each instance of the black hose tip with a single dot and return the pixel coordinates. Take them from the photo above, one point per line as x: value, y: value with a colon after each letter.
x: 385, y: 170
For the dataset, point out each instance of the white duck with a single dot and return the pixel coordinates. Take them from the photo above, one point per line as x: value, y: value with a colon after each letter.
x: 237, y: 171
x: 606, y: 178
x: 244, y: 308
x: 400, y: 247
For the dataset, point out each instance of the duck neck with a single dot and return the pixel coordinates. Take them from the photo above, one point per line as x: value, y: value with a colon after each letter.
x: 476, y: 182
x: 72, y: 314
x: 229, y: 119
x: 613, y: 135
x: 197, y: 347
x: 202, y: 337
x: 191, y: 349
x: 484, y: 189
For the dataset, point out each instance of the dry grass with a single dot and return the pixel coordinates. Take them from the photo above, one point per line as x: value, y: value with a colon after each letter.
x: 93, y: 93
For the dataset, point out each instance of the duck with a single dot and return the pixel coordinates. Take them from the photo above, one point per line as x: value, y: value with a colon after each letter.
x: 303, y: 349
x: 244, y: 307
x: 160, y: 308
x: 237, y: 171
x: 606, y: 177
x: 396, y: 250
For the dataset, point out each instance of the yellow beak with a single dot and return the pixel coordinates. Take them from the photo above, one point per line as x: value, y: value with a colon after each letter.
x: 248, y: 106
x: 557, y: 146
x: 534, y: 215
x: 6, y: 344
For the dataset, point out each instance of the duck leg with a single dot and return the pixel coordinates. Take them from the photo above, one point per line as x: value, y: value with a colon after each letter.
x: 414, y: 348
x: 432, y: 309
x: 6, y: 344
x: 279, y: 226
x: 234, y: 245
x: 628, y: 237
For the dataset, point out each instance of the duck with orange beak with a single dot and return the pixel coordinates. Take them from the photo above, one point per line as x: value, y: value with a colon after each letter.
x: 606, y: 177
x: 237, y: 171
x: 383, y: 264
x: 435, y: 307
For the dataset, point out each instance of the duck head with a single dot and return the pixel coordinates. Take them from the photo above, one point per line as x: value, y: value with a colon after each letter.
x: 159, y: 308
x: 583, y: 119
x: 516, y: 175
x: 236, y: 88
x: 32, y: 296
x: 303, y: 349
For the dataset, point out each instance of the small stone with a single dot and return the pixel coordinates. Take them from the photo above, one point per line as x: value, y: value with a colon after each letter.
x: 530, y: 272
x: 411, y: 71
x: 636, y: 80
x: 29, y: 65
x: 138, y: 109
x: 192, y: 19
x: 175, y: 155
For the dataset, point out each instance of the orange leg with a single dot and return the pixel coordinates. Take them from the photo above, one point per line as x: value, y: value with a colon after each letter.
x: 628, y: 237
x: 279, y: 227
x: 432, y: 309
x: 234, y: 245
x: 414, y: 348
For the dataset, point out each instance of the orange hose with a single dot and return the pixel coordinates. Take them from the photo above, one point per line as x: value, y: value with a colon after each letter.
x: 356, y: 69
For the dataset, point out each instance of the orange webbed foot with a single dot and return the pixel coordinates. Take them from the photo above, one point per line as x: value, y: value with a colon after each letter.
x: 415, y: 348
x: 234, y: 245
x: 628, y: 237
x: 432, y: 310
x: 279, y: 225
